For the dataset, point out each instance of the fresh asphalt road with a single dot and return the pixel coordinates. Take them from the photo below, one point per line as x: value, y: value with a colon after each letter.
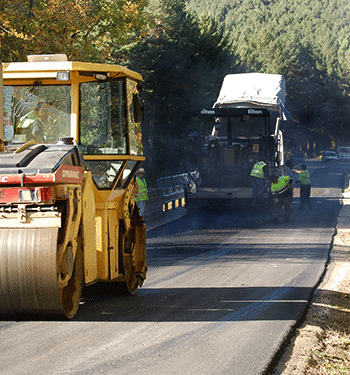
x: 223, y: 291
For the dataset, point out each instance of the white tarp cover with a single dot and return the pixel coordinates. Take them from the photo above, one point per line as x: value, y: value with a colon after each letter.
x: 260, y: 89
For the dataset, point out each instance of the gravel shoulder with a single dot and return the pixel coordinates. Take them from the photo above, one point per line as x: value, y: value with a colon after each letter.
x: 321, y: 345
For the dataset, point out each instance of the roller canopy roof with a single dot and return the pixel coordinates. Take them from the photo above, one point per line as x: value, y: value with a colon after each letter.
x: 254, y: 89
x: 37, y: 158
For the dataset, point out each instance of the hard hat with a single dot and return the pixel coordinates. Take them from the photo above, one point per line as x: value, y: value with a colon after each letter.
x: 141, y: 170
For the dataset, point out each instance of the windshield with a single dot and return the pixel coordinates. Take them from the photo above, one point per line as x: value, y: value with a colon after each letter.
x: 103, y: 118
x: 244, y: 126
x: 105, y: 172
x: 39, y: 113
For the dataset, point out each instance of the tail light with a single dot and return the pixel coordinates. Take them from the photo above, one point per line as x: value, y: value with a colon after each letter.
x: 45, y: 194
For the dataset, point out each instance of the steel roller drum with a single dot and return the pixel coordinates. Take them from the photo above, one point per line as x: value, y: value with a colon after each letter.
x: 28, y: 270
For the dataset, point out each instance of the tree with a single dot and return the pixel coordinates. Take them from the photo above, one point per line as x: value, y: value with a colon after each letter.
x: 182, y: 60
x: 307, y: 41
x: 83, y: 29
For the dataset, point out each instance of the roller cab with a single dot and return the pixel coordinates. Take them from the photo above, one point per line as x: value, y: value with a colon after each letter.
x: 71, y: 144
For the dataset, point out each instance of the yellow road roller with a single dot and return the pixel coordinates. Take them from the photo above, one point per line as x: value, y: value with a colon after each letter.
x: 71, y: 145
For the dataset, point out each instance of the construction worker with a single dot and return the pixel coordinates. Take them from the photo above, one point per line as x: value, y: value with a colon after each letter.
x: 33, y: 124
x: 305, y: 187
x: 282, y: 194
x: 141, y: 195
x: 258, y: 176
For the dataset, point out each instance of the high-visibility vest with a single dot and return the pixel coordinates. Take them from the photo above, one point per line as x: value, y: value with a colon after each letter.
x: 142, y: 193
x: 304, y: 177
x: 282, y: 187
x: 258, y: 170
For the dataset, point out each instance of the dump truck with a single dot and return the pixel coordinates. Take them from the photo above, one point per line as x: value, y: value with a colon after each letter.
x: 71, y: 144
x: 245, y: 126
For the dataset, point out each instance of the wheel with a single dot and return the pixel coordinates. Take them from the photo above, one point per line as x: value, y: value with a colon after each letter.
x: 127, y: 228
x: 29, y: 274
x: 70, y: 294
x: 127, y: 267
x: 131, y: 280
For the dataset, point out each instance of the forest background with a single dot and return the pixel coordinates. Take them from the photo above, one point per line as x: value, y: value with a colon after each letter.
x: 184, y: 48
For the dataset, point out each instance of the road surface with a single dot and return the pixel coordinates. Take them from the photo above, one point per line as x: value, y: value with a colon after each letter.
x: 222, y: 293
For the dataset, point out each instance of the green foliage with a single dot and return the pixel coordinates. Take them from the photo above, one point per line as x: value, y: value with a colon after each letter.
x: 83, y: 29
x: 305, y: 40
x: 184, y: 48
x: 183, y: 60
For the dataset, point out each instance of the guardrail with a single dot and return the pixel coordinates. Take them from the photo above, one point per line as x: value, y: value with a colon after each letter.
x: 169, y: 195
x: 173, y: 188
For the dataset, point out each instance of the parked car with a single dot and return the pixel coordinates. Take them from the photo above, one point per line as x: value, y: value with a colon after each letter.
x: 329, y: 156
x: 344, y: 153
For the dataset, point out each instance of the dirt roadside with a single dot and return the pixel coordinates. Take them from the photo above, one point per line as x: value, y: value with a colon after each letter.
x: 321, y: 345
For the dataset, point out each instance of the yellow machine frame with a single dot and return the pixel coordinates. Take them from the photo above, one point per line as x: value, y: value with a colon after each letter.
x: 102, y: 227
